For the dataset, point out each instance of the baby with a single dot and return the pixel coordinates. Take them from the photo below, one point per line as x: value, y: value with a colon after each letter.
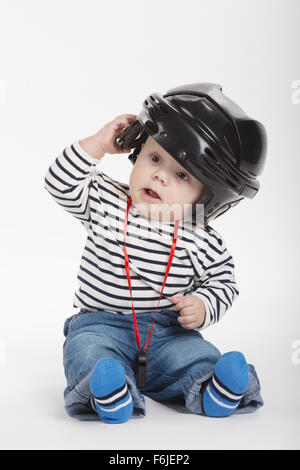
x: 153, y: 272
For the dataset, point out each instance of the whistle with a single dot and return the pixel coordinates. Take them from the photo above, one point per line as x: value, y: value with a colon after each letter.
x: 142, y: 367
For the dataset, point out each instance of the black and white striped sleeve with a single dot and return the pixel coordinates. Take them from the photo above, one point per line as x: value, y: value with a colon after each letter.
x: 68, y: 180
x: 217, y: 286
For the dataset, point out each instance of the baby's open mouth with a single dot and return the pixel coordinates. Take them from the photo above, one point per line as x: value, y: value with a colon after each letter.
x: 149, y: 194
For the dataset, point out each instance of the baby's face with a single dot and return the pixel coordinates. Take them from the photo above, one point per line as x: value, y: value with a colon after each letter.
x: 156, y: 169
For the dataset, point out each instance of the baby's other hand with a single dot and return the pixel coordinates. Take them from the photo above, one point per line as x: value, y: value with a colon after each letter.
x: 192, y: 311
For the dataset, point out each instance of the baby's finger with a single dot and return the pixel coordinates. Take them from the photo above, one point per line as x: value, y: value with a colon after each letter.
x: 127, y: 115
x: 183, y: 303
x: 186, y: 320
x: 130, y: 116
x: 190, y: 324
x: 125, y: 119
x: 187, y: 310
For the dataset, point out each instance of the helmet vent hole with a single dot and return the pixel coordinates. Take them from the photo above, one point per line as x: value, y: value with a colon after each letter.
x: 163, y: 108
x: 154, y: 100
x: 209, y: 152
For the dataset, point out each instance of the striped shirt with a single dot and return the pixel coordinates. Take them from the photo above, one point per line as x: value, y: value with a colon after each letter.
x: 201, y: 264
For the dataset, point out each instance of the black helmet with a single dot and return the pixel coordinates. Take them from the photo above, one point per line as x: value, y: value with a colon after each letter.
x: 210, y: 136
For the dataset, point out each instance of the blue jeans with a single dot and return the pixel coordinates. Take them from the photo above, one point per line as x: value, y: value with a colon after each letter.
x: 179, y: 361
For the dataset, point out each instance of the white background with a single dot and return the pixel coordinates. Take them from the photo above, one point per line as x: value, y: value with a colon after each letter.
x: 68, y: 67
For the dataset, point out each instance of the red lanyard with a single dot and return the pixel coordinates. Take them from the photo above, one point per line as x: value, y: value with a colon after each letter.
x: 128, y: 275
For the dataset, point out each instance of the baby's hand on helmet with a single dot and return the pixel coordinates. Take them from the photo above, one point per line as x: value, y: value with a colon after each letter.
x: 192, y: 311
x: 97, y: 145
x: 107, y: 135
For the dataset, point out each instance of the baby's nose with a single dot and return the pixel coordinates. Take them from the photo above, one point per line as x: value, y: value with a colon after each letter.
x: 162, y: 178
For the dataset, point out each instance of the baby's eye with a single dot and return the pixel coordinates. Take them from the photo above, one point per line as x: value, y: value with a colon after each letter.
x: 180, y: 173
x: 154, y: 156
